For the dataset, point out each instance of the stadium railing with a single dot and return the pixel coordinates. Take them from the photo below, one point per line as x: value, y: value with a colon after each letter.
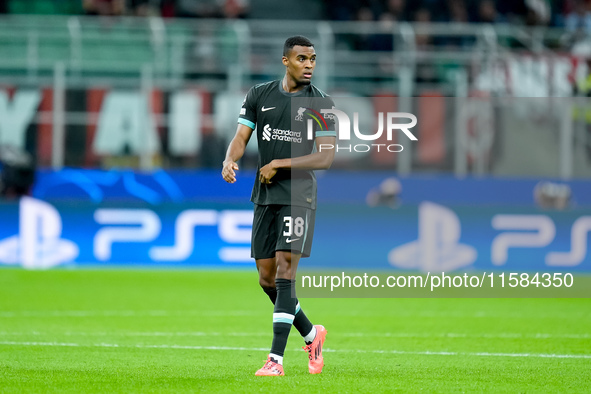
x: 445, y: 64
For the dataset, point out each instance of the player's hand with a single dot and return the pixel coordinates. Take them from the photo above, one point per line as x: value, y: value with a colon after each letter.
x: 267, y: 172
x: 228, y: 171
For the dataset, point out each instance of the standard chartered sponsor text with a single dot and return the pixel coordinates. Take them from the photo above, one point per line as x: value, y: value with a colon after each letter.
x: 287, y: 135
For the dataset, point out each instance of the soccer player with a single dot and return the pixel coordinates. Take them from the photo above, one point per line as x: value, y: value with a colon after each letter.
x: 284, y: 192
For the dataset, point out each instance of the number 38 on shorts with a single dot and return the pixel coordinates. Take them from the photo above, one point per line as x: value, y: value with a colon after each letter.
x: 297, y: 230
x: 282, y: 227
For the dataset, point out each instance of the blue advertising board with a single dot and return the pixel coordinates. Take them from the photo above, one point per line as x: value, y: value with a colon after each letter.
x: 177, y: 186
x: 196, y: 219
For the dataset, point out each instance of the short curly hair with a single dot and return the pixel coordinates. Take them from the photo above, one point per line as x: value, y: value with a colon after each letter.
x: 295, y: 40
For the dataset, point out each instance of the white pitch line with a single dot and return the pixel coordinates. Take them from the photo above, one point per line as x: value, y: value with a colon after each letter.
x: 501, y: 335
x: 187, y: 347
x: 127, y: 313
x: 164, y: 313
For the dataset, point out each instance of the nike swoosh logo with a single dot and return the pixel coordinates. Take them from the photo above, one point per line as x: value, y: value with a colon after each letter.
x: 267, y: 109
x: 291, y: 240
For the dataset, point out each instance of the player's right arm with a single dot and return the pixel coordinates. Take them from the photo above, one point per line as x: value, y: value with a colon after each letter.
x: 235, y: 152
x: 246, y: 124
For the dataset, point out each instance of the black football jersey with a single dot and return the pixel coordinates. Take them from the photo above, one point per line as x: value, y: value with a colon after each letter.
x: 282, y: 133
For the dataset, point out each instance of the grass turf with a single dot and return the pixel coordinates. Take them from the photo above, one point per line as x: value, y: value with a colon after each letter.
x: 209, y: 331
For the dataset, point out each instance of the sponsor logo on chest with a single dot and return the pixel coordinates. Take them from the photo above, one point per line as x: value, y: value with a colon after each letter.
x: 275, y: 134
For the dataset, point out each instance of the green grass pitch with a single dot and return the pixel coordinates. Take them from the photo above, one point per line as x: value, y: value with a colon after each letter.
x: 114, y: 331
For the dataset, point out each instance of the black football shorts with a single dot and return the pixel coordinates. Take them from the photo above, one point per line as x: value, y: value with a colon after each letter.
x: 281, y: 227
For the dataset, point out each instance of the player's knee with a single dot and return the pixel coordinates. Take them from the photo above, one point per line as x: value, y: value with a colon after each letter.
x: 284, y: 260
x: 266, y: 281
x: 284, y: 271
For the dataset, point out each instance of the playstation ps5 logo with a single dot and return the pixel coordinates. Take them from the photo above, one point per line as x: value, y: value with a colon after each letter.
x: 38, y: 243
x: 438, y: 247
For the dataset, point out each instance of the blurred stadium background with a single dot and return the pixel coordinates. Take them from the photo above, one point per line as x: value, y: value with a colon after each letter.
x: 67, y: 66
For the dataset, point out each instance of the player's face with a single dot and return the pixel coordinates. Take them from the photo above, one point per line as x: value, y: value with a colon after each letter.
x: 300, y: 64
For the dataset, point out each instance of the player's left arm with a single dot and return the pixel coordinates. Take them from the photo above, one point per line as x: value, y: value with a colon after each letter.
x: 320, y: 160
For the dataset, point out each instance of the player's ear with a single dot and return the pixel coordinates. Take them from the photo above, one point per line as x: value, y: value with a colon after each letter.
x: 284, y: 60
